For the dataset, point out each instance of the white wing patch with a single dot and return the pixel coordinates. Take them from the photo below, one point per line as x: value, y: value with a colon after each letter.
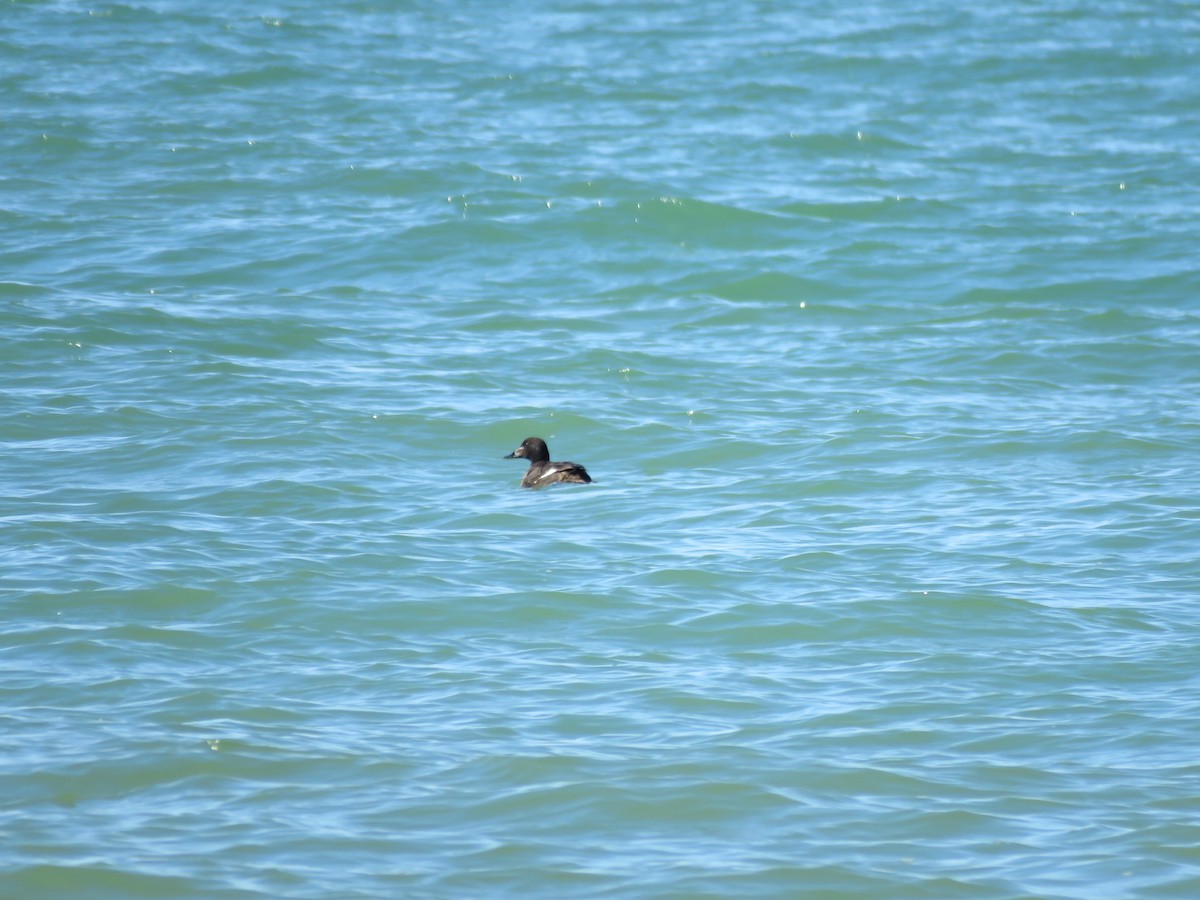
x: 553, y: 470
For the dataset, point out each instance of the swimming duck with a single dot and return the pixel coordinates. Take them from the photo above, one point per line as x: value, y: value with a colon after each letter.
x: 541, y: 471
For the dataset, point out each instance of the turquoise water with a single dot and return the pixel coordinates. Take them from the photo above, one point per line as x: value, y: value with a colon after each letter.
x: 878, y: 328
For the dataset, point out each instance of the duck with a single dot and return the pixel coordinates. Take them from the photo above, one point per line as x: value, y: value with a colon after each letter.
x: 541, y: 471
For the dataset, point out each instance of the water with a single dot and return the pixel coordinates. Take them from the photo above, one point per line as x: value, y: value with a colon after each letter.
x: 878, y: 328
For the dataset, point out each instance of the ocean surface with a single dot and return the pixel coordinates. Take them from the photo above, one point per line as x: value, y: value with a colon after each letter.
x: 877, y: 326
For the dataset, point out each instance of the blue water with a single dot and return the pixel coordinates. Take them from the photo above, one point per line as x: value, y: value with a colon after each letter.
x: 877, y: 327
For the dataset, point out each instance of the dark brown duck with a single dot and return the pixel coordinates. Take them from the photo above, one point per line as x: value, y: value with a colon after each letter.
x: 541, y: 471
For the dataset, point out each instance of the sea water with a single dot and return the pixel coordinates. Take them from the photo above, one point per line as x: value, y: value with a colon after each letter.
x: 877, y: 326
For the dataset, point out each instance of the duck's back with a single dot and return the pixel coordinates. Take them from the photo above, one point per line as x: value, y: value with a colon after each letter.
x: 543, y: 473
